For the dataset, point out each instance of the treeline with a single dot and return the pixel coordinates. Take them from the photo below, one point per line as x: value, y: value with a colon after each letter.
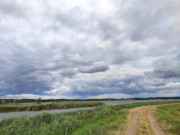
x: 3, y: 101
x: 50, y: 100
x: 151, y: 98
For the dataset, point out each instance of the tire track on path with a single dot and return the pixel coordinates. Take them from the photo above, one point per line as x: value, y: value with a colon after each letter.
x: 155, y: 126
x: 141, y: 122
x: 131, y: 128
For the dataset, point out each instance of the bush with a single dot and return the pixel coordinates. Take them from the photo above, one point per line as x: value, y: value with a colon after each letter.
x: 38, y: 101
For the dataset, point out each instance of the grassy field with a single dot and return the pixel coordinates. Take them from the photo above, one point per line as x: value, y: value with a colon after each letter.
x: 99, y: 121
x: 169, y: 117
x: 12, y: 107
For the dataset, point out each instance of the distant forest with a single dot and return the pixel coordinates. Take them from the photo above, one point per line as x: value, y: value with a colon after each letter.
x: 57, y: 100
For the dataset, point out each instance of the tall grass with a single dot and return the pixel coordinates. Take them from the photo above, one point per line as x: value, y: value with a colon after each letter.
x: 169, y: 117
x: 46, y: 106
x: 98, y: 121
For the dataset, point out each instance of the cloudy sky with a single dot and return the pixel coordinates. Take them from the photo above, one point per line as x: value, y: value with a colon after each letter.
x: 89, y: 48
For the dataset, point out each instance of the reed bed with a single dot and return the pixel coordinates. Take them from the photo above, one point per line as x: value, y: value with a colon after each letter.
x: 46, y: 106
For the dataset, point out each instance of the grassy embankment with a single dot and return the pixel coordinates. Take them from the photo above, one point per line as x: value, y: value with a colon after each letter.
x: 11, y: 107
x: 169, y: 117
x: 99, y: 121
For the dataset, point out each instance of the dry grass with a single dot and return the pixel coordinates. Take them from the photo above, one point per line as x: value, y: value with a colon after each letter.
x: 143, y: 126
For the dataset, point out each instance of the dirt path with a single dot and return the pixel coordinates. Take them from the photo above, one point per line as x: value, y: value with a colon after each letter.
x: 141, y: 122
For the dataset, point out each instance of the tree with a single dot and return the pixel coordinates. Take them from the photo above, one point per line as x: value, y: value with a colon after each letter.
x: 15, y: 99
x: 38, y: 101
x: 4, y: 100
x: 0, y: 100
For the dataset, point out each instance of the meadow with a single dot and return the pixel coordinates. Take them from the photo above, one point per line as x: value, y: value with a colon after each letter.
x: 15, y: 107
x: 101, y: 120
x: 169, y: 117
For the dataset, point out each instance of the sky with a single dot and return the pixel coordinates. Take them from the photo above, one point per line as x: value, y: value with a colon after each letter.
x: 89, y: 49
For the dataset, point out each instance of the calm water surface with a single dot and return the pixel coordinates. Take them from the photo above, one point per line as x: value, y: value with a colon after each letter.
x: 33, y: 113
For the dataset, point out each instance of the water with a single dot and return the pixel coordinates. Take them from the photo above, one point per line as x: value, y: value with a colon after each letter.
x: 33, y: 113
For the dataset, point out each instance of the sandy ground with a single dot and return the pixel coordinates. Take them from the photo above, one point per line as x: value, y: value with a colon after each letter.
x: 142, y: 122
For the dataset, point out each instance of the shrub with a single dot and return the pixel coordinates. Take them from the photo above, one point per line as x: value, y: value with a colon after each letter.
x: 38, y: 101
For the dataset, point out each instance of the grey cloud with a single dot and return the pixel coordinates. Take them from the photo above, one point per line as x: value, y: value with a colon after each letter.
x: 167, y: 68
x: 68, y: 73
x: 12, y: 8
x: 43, y: 48
x: 146, y: 20
x: 167, y: 73
x: 122, y: 57
x: 96, y: 67
x: 69, y: 18
x: 107, y: 85
x: 108, y: 30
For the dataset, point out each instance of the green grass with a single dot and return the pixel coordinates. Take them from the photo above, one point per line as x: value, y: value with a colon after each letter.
x: 46, y: 106
x: 169, y: 117
x: 98, y: 121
